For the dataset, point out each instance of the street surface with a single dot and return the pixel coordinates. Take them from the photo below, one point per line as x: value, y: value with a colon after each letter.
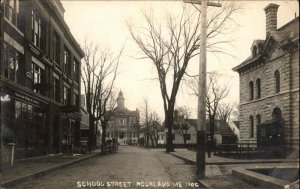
x: 130, y: 167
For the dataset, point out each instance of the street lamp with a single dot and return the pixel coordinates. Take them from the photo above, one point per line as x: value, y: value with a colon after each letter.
x: 201, y: 113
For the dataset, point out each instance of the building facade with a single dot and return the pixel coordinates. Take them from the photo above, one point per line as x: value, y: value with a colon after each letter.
x: 269, y: 86
x: 40, y: 79
x: 123, y: 123
x: 84, y: 123
x: 223, y: 134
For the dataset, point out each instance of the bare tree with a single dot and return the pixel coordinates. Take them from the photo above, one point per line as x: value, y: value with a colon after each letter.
x: 99, y: 72
x: 152, y: 124
x: 154, y: 127
x: 215, y: 94
x: 225, y: 111
x: 171, y: 48
x: 145, y: 119
x: 181, y: 115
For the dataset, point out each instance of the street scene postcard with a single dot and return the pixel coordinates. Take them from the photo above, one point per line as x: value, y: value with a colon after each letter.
x: 149, y: 94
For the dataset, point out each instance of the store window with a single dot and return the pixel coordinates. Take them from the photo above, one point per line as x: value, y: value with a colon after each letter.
x: 30, y: 128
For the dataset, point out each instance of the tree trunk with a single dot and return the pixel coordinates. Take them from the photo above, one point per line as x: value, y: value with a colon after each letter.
x: 92, y: 137
x: 184, y: 140
x: 103, y: 134
x: 147, y: 138
x: 169, y: 125
x: 152, y: 142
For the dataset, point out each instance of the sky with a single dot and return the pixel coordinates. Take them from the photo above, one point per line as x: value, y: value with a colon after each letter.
x: 104, y: 23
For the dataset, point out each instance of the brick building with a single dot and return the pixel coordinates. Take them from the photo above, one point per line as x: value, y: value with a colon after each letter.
x: 269, y: 85
x: 40, y: 78
x: 123, y: 123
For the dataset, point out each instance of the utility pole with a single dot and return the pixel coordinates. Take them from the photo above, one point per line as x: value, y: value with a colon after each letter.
x: 1, y: 64
x: 201, y: 113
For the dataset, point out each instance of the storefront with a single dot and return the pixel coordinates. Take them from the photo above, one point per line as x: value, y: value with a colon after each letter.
x: 24, y: 123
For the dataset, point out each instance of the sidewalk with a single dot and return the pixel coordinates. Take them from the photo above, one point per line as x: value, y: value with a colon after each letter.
x: 215, y: 178
x: 218, y: 160
x: 31, y: 168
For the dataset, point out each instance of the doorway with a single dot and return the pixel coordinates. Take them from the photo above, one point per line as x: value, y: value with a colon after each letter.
x: 55, y: 131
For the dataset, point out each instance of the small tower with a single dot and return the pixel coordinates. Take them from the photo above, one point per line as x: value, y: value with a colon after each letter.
x: 120, y: 100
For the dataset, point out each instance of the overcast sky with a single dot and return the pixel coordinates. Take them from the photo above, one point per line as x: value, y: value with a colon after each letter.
x: 104, y: 22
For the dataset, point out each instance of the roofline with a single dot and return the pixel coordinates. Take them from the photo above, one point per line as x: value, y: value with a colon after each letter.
x: 66, y: 28
x: 246, y: 62
x: 290, y: 22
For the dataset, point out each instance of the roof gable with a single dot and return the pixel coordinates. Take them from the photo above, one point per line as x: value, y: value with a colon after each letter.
x: 221, y: 127
x: 272, y: 48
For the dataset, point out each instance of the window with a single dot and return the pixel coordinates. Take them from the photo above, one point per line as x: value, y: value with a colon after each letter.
x: 254, y: 51
x: 36, y: 29
x: 251, y: 127
x: 37, y: 74
x: 277, y: 81
x: 30, y: 125
x: 56, y: 89
x: 76, y: 70
x: 251, y: 90
x: 76, y: 100
x: 67, y: 57
x: 258, y: 119
x: 56, y: 47
x: 11, y: 69
x: 11, y: 11
x: 67, y: 94
x: 258, y: 95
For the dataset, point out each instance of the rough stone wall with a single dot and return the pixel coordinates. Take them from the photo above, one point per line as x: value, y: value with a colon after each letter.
x: 286, y: 101
x: 295, y: 99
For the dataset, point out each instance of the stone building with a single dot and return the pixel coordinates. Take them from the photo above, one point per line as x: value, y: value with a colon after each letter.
x: 269, y: 86
x: 40, y: 79
x: 123, y: 123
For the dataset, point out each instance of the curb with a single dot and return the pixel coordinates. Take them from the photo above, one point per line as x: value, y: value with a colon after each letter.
x: 202, y: 183
x: 236, y: 162
x: 37, y: 174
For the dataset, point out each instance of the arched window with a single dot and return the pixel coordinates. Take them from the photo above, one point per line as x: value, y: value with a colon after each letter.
x: 276, y: 114
x: 277, y: 81
x: 258, y: 88
x: 251, y: 127
x: 254, y: 51
x: 251, y: 90
x: 258, y: 119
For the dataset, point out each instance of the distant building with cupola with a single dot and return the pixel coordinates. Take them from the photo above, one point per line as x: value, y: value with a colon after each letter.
x: 123, y: 123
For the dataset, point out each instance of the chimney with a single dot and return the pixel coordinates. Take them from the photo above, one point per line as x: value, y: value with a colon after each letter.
x: 271, y: 17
